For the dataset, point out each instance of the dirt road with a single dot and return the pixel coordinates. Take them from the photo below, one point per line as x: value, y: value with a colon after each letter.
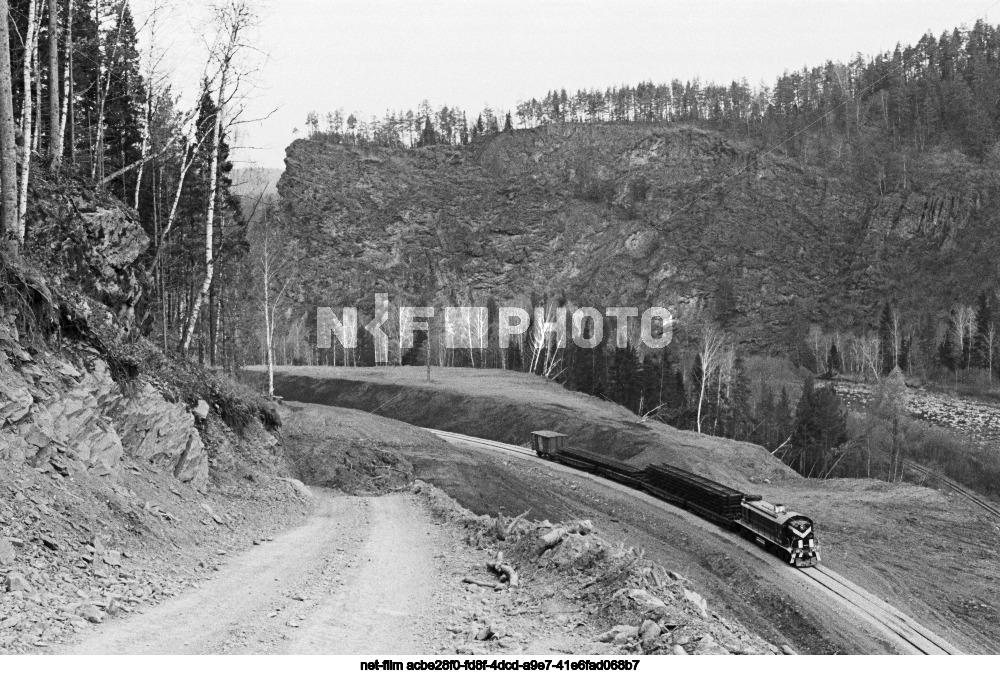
x: 358, y: 577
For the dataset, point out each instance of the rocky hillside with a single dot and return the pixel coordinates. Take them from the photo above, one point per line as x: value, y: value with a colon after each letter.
x: 125, y: 474
x: 622, y: 214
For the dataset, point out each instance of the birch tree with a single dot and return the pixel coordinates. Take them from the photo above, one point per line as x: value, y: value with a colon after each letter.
x: 233, y: 19
x: 819, y: 343
x: 274, y: 251
x: 27, y: 118
x: 870, y: 348
x: 67, y: 83
x: 8, y: 149
x: 711, y: 348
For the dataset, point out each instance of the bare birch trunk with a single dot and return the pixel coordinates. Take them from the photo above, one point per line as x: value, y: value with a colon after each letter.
x: 213, y: 189
x: 26, y: 118
x: 145, y: 143
x: 8, y: 144
x: 67, y: 78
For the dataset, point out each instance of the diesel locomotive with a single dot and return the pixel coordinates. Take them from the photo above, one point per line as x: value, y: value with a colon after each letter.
x: 789, y: 535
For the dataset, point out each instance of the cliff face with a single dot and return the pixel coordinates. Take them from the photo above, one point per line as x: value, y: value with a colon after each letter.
x: 85, y: 240
x: 637, y: 214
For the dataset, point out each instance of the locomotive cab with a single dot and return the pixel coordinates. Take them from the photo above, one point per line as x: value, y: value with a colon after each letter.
x: 799, y: 538
x: 773, y: 526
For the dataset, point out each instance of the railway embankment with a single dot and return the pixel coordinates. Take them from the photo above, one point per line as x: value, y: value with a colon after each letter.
x: 506, y: 406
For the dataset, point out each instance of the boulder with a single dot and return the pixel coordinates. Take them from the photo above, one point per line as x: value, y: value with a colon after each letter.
x: 7, y: 554
x: 649, y: 632
x: 90, y: 613
x: 201, y: 410
x: 16, y: 582
x: 619, y: 634
x: 698, y: 601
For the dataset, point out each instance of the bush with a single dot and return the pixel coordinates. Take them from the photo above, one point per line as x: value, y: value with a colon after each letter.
x: 181, y: 380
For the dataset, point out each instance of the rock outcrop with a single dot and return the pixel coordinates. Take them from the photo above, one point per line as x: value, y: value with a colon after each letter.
x: 68, y: 417
x: 85, y: 238
x: 629, y: 215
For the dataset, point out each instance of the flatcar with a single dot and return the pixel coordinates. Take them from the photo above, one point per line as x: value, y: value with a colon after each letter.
x: 551, y: 445
x: 789, y: 535
x: 711, y: 500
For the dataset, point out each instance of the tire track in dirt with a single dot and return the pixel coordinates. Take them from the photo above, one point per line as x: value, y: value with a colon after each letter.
x: 354, y: 579
x: 381, y: 610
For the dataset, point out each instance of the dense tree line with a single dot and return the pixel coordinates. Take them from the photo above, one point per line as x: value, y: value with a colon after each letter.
x: 80, y: 101
x: 942, y: 89
x: 425, y: 126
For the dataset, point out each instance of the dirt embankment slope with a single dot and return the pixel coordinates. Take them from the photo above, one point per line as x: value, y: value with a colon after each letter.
x: 507, y: 406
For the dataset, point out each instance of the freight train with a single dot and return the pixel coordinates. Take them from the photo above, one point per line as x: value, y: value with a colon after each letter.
x: 787, y: 534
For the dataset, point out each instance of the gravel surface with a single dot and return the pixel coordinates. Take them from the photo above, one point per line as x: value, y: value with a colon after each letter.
x: 356, y: 578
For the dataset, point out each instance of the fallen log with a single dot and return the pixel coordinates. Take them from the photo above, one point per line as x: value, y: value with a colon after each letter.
x: 505, y: 571
x: 481, y: 583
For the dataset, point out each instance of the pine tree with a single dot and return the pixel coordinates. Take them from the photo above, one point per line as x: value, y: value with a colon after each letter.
x: 508, y: 126
x: 427, y: 136
x: 740, y: 398
x: 984, y: 323
x: 124, y: 104
x: 946, y: 351
x: 887, y: 341
x: 820, y: 426
x: 834, y: 360
x: 904, y: 355
x: 783, y: 417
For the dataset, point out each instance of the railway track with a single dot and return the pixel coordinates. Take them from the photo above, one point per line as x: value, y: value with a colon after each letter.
x: 905, y: 628
x: 907, y: 631
x: 971, y: 496
x: 492, y: 444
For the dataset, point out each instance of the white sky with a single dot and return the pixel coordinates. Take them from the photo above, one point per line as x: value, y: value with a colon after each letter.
x: 370, y: 55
